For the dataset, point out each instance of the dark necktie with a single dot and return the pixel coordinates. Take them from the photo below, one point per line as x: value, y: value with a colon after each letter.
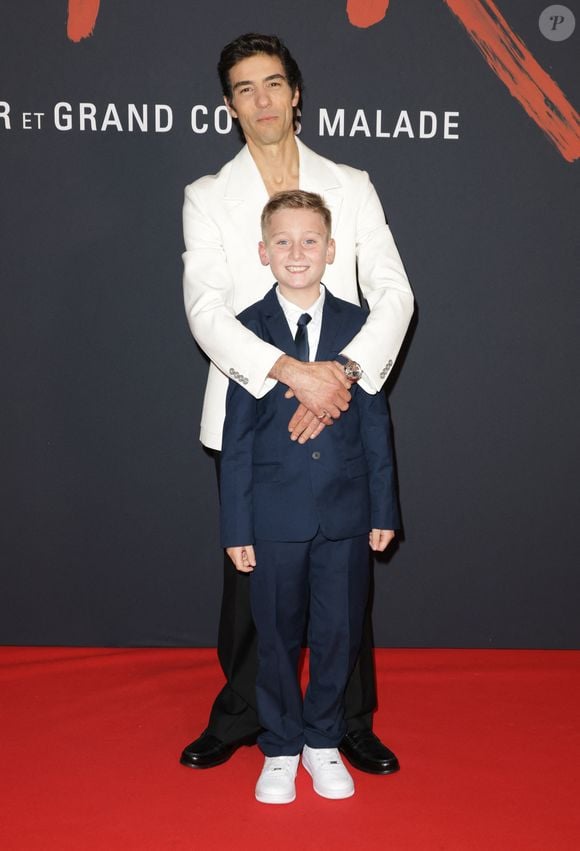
x: 301, y: 338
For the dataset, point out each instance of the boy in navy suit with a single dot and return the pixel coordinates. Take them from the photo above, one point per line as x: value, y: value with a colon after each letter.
x: 300, y: 519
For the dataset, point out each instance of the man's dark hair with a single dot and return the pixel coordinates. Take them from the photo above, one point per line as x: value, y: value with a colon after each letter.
x: 249, y: 45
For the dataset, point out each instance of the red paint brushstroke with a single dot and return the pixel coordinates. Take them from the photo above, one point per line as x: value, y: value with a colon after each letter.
x: 526, y: 80
x: 82, y: 17
x: 366, y: 13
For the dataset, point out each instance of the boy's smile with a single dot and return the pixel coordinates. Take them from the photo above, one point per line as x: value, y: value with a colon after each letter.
x: 297, y: 247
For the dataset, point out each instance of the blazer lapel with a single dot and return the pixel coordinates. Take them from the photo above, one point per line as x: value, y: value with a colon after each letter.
x: 244, y: 180
x: 276, y: 323
x: 280, y: 335
x: 245, y: 193
x: 332, y: 322
x: 244, y: 197
x: 317, y: 175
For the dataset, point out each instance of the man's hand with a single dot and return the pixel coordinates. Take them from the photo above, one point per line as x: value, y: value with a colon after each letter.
x: 243, y: 558
x: 322, y: 389
x: 379, y: 539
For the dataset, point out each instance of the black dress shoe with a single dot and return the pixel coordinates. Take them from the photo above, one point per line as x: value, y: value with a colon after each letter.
x: 366, y: 752
x: 209, y: 751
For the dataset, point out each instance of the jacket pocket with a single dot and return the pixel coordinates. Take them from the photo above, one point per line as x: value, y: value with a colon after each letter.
x: 266, y: 472
x: 357, y: 467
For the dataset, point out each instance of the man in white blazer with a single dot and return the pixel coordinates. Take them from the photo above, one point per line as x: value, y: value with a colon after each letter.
x: 222, y: 276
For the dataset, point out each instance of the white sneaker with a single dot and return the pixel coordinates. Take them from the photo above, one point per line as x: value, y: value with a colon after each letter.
x: 329, y: 775
x: 276, y: 782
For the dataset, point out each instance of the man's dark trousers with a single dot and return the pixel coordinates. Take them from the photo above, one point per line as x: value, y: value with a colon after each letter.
x: 234, y: 715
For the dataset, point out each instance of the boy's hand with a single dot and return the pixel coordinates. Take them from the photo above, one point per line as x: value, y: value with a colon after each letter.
x: 243, y: 558
x: 379, y: 539
x: 304, y: 425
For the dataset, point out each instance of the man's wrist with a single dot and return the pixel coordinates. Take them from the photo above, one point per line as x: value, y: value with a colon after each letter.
x: 352, y: 369
x: 284, y: 370
x: 277, y: 370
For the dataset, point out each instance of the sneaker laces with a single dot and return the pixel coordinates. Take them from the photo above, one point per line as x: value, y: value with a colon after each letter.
x: 325, y: 758
x: 280, y: 763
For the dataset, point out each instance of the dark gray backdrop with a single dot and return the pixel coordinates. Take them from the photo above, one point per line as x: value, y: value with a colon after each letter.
x: 108, y: 517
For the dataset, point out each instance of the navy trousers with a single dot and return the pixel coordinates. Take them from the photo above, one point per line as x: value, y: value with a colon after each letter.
x: 330, y: 580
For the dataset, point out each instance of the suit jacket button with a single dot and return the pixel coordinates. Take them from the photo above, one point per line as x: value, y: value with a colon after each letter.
x: 316, y: 455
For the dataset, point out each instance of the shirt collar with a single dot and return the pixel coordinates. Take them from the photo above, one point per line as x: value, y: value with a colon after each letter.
x: 293, y: 312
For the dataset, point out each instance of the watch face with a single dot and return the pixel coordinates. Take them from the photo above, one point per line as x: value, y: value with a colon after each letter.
x: 352, y: 370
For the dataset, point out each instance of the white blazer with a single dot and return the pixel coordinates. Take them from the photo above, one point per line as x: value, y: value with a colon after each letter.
x: 223, y: 274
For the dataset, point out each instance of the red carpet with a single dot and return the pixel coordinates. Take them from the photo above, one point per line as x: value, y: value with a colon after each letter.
x: 489, y: 744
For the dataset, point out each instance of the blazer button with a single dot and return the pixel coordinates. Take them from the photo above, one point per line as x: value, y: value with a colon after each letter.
x: 316, y: 455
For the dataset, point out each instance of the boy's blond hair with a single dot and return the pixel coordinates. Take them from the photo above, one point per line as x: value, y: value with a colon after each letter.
x: 296, y: 199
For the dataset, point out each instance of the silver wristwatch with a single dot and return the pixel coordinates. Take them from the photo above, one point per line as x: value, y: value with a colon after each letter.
x: 352, y: 370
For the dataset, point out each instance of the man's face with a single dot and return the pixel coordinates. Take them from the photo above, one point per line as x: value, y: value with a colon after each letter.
x: 297, y: 247
x: 262, y: 100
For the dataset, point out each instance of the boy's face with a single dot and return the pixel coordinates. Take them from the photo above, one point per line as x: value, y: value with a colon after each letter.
x: 297, y: 247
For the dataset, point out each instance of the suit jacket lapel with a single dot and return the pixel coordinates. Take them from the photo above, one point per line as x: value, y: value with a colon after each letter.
x: 280, y: 335
x: 317, y: 175
x: 276, y: 323
x: 245, y: 193
x: 244, y: 197
x: 332, y: 322
x: 245, y: 182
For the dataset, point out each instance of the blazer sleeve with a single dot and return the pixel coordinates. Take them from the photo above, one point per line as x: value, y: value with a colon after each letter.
x: 386, y: 288
x: 236, y: 504
x: 208, y: 291
x: 375, y: 426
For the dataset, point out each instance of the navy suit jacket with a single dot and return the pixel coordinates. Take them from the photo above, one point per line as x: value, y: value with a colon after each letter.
x: 276, y: 489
